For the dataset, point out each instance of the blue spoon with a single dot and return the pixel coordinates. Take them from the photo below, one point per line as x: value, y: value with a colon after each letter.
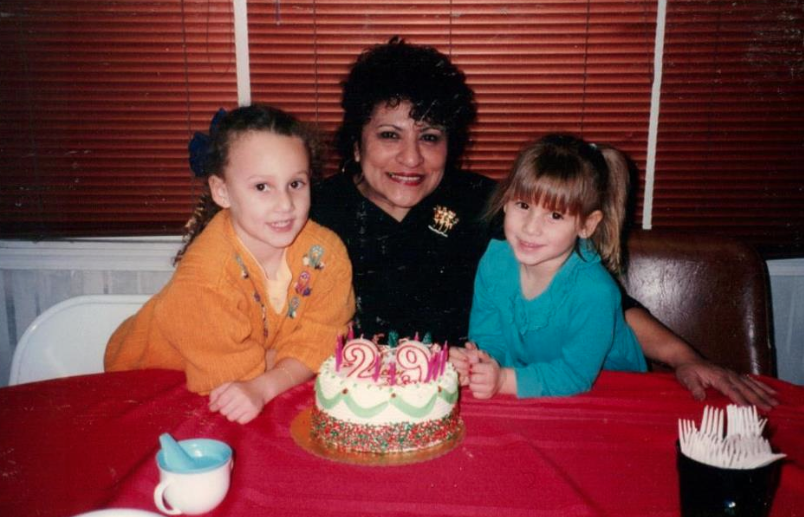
x: 176, y: 458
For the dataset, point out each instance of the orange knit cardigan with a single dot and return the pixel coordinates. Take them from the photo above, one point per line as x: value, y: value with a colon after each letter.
x: 213, y: 319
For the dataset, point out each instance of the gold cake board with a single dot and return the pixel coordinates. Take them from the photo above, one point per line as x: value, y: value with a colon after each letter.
x: 300, y: 431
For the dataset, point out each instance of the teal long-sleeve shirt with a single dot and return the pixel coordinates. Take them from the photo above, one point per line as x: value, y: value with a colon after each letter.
x: 558, y: 342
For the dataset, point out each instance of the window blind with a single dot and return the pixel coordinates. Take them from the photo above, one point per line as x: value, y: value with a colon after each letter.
x: 731, y: 131
x: 99, y: 100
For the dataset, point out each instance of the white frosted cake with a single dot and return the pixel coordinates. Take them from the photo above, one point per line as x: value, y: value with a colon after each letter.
x: 380, y: 399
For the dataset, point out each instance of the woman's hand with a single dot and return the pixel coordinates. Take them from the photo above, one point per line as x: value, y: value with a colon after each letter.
x: 700, y: 374
x: 239, y: 402
x: 693, y: 371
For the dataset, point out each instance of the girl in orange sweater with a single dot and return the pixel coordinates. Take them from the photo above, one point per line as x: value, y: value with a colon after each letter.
x: 260, y: 293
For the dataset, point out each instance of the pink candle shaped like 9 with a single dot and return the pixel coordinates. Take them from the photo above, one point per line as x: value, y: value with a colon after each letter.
x: 377, y: 365
x: 338, y: 353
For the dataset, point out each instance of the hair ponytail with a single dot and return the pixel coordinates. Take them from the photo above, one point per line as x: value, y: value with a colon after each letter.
x: 203, y: 213
x: 608, y: 236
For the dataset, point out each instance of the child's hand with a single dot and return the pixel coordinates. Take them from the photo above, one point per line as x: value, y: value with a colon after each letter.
x: 460, y: 360
x: 463, y: 359
x: 239, y: 402
x: 473, y: 354
x: 486, y: 378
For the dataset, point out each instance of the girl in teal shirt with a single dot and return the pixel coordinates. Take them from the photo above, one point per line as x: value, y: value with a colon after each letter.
x: 546, y: 314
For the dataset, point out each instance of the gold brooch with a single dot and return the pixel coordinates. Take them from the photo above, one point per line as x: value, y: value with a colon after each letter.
x: 444, y: 220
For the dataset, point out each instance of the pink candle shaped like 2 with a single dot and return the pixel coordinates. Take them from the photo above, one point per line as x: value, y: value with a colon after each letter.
x: 444, y: 358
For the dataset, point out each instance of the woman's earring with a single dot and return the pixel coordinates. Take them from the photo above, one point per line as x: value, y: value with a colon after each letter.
x: 347, y: 165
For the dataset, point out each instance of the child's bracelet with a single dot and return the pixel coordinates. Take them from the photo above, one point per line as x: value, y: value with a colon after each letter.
x: 290, y: 375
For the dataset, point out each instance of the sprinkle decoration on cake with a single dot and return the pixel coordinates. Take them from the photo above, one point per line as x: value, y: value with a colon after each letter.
x: 386, y: 398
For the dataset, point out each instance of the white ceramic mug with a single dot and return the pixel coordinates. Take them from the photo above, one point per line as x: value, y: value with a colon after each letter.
x: 197, y: 490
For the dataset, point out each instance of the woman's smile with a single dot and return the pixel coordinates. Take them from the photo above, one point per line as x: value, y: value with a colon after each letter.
x: 406, y: 178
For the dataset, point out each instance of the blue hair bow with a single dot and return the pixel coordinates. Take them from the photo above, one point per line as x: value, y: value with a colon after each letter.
x: 199, y: 146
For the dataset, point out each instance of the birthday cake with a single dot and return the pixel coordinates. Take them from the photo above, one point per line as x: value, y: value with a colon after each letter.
x: 372, y: 398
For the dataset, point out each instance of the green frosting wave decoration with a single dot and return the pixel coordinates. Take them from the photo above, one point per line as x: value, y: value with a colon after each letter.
x: 368, y: 412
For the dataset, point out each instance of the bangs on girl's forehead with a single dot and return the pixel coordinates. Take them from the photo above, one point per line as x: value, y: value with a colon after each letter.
x: 555, y: 193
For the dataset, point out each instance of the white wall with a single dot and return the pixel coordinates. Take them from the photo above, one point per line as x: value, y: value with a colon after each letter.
x: 787, y: 290
x: 35, y: 276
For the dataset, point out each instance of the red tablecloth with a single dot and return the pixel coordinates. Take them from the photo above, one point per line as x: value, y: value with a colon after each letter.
x: 72, y: 445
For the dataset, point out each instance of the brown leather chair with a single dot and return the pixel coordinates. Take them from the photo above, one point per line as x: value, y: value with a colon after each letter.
x: 712, y: 291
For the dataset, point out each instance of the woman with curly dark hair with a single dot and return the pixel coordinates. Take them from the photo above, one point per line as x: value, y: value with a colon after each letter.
x: 406, y: 212
x: 410, y: 217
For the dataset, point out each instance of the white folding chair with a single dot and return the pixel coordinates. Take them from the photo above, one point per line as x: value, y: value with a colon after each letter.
x: 70, y: 337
